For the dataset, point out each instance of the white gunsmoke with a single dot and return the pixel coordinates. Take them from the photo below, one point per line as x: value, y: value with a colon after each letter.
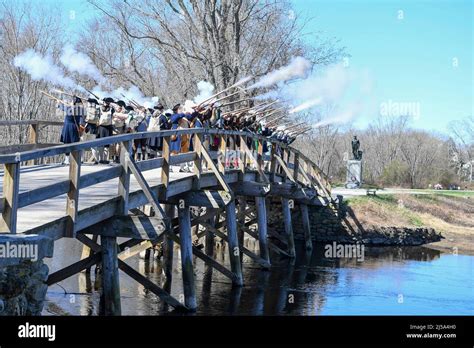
x: 298, y: 68
x: 206, y: 89
x: 80, y: 63
x: 42, y: 68
x: 306, y: 105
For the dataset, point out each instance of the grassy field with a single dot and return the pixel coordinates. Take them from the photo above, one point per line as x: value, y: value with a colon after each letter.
x: 448, y: 212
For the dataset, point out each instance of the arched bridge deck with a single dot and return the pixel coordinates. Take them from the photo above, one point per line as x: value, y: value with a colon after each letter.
x: 78, y: 200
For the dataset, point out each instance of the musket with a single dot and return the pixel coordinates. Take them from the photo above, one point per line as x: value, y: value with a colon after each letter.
x: 272, y: 113
x: 131, y: 101
x: 238, y: 83
x: 275, y: 118
x: 56, y: 99
x: 69, y: 94
x: 235, y: 102
x: 301, y: 132
x: 267, y: 105
x: 297, y: 125
x: 238, y: 111
x: 90, y: 92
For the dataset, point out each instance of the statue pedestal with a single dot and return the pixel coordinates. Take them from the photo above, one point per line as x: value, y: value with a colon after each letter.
x: 354, y: 174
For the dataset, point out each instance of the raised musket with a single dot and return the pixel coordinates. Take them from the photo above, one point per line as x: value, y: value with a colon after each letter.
x: 208, y: 100
x: 68, y: 94
x: 54, y: 98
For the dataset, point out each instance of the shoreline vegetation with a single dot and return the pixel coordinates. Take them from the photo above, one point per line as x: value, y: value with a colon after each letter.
x: 450, y: 213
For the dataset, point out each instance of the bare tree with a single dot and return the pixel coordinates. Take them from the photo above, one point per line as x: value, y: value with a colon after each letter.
x: 219, y: 41
x: 24, y: 26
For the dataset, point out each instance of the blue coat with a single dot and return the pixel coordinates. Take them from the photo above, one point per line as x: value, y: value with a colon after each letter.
x: 70, y: 131
x: 176, y: 145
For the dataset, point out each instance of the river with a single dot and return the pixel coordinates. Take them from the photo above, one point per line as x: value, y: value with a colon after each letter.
x: 388, y: 281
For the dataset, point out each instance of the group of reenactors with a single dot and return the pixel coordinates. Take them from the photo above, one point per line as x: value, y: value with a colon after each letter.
x: 95, y: 118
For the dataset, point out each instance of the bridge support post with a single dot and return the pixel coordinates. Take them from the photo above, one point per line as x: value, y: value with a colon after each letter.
x: 186, y: 245
x: 306, y: 226
x: 260, y: 203
x: 285, y: 204
x: 209, y: 240
x: 234, y: 251
x: 241, y: 233
x: 168, y: 246
x: 110, y: 277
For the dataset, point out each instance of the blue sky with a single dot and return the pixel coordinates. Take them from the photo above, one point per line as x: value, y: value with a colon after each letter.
x: 415, y: 52
x: 411, y: 55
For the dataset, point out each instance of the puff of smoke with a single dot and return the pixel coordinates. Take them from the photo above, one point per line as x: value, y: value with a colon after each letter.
x: 206, y: 90
x: 188, y: 106
x: 344, y: 116
x: 132, y: 93
x: 42, y: 68
x: 80, y: 63
x: 298, y: 68
x: 306, y: 105
x: 335, y: 85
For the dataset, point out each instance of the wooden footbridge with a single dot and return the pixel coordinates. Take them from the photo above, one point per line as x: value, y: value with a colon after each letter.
x: 84, y: 201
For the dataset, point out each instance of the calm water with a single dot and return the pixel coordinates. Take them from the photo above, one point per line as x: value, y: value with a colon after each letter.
x: 410, y: 281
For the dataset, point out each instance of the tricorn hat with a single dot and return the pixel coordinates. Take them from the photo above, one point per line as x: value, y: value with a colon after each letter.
x: 121, y: 103
x: 129, y: 108
x: 92, y: 101
x: 108, y: 100
x: 158, y: 106
x: 176, y: 107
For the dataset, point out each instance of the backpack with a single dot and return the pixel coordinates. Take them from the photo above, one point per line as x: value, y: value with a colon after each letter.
x: 92, y: 115
x: 105, y: 118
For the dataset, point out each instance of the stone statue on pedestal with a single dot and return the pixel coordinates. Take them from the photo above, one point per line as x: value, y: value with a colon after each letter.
x: 356, y: 153
x: 354, y: 166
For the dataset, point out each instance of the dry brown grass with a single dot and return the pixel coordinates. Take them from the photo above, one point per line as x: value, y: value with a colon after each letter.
x: 452, y: 216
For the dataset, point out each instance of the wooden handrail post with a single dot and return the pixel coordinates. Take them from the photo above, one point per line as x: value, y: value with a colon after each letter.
x: 33, y: 136
x: 73, y: 193
x: 243, y: 156
x: 124, y: 179
x: 11, y: 188
x: 223, y: 153
x: 273, y: 162
x: 197, y: 144
x: 165, y: 168
x: 260, y: 154
x: 296, y: 166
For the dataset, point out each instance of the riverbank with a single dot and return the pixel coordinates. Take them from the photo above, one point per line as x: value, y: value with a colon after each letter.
x: 449, y: 213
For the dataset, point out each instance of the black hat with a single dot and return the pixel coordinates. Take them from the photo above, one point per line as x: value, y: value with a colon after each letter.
x: 176, y: 107
x: 108, y: 100
x: 92, y: 100
x: 129, y: 108
x: 150, y: 110
x: 77, y: 100
x: 121, y: 103
x: 158, y: 106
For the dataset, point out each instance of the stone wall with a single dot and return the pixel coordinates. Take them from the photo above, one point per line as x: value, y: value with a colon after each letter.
x: 23, y: 288
x: 23, y: 274
x: 329, y: 224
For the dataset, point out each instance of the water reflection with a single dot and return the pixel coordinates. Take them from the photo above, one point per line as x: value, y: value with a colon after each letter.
x: 431, y: 283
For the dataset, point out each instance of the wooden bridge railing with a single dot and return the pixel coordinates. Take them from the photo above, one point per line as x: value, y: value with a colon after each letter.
x: 34, y: 129
x: 301, y: 170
